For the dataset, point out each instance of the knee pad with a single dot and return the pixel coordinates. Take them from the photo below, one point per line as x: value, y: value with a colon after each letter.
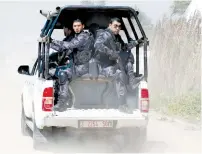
x: 63, y: 77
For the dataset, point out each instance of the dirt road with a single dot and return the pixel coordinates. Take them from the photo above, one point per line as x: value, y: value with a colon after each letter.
x: 163, y: 136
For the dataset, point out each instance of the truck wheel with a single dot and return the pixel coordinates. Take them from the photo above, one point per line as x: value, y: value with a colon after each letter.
x: 41, y: 137
x: 135, y: 138
x: 24, y: 127
x: 141, y: 138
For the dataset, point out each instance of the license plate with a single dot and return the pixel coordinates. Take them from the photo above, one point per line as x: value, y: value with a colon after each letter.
x: 96, y: 124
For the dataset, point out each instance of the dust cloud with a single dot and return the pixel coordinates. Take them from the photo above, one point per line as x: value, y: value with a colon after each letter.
x: 18, y: 46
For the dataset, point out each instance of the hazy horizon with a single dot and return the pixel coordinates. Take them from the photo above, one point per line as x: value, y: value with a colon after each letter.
x: 22, y: 22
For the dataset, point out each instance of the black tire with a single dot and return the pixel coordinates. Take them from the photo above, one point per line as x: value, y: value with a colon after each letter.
x: 135, y: 138
x: 141, y: 139
x: 117, y: 144
x: 41, y: 137
x: 24, y: 127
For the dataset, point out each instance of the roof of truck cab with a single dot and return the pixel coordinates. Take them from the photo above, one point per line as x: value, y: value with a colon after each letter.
x: 96, y: 7
x: 99, y: 8
x: 86, y: 12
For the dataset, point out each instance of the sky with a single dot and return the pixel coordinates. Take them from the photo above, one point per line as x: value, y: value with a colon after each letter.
x: 24, y: 17
x: 21, y: 23
x: 153, y: 9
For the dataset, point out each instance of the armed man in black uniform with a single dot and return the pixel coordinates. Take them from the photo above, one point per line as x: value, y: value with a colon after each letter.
x: 108, y: 50
x: 68, y: 37
x: 80, y: 47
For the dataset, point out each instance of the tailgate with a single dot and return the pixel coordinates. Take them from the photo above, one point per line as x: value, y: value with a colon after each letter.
x: 73, y: 117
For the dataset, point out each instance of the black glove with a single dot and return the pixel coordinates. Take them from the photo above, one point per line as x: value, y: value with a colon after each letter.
x: 141, y: 40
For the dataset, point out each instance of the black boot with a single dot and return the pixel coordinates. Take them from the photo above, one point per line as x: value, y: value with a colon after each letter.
x: 62, y: 98
x: 63, y: 93
x: 133, y: 80
x: 122, y: 92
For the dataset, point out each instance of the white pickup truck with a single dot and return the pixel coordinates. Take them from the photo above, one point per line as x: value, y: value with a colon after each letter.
x: 94, y: 106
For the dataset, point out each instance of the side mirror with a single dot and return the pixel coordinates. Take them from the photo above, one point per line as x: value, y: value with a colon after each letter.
x: 23, y: 69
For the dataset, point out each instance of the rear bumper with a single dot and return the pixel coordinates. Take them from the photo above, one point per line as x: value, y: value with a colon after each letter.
x: 71, y: 118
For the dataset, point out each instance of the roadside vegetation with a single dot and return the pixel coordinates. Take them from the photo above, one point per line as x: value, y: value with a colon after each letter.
x: 174, y: 67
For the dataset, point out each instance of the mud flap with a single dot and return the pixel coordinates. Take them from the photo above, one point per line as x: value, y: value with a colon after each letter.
x: 41, y: 138
x: 24, y: 127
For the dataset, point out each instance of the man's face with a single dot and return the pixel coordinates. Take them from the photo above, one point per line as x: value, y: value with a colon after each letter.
x: 67, y: 31
x: 115, y: 27
x: 78, y: 27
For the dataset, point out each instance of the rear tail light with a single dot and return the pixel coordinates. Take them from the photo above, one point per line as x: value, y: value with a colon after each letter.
x: 144, y: 100
x: 47, y: 100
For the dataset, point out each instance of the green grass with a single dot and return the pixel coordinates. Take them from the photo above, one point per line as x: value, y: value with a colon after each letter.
x: 185, y: 106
